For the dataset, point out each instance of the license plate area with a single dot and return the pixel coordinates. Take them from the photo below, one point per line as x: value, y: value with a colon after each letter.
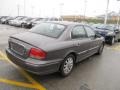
x: 17, y: 48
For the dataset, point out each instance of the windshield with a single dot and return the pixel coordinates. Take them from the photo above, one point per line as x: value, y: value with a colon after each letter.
x: 18, y: 18
x: 27, y: 19
x: 24, y: 18
x: 105, y: 27
x: 36, y: 19
x: 49, y: 29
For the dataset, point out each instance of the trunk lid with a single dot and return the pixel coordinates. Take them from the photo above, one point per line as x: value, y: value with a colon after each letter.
x: 23, y: 42
x: 34, y: 39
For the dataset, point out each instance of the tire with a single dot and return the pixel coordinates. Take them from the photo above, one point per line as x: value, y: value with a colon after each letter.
x: 118, y: 40
x: 67, y: 65
x: 22, y: 25
x: 30, y: 26
x: 100, y: 49
x: 112, y: 41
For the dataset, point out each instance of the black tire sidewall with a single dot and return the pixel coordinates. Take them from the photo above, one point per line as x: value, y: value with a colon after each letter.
x: 118, y: 40
x: 111, y: 40
x: 100, y: 51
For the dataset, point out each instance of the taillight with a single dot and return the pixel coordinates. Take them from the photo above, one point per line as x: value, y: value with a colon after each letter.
x: 37, y: 53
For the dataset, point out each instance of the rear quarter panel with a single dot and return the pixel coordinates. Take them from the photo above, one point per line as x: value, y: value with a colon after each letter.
x: 59, y: 50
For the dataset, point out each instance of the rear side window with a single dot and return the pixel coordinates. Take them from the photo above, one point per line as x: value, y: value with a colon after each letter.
x: 49, y: 29
x: 78, y: 32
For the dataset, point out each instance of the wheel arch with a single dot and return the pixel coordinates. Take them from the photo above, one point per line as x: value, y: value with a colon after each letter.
x: 73, y: 53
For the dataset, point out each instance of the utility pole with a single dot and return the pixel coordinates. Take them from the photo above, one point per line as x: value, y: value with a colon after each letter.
x: 61, y: 10
x: 53, y: 12
x: 85, y: 5
x: 106, y: 15
x: 118, y: 16
x: 18, y: 9
x: 24, y: 7
x: 118, y: 19
x: 40, y: 12
x: 76, y: 16
x: 32, y: 8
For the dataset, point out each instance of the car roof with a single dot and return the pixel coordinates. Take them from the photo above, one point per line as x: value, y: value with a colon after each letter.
x: 65, y: 23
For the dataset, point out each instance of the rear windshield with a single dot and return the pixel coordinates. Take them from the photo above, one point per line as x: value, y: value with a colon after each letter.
x: 49, y: 29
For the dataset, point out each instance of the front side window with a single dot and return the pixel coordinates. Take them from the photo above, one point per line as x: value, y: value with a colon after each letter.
x: 89, y: 31
x: 49, y: 29
x: 78, y: 32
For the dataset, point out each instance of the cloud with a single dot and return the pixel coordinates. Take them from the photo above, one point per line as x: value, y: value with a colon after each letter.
x: 53, y: 7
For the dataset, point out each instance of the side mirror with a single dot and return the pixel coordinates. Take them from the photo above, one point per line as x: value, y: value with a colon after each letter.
x: 97, y: 35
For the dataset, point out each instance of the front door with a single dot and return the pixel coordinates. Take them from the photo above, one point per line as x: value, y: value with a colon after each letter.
x: 94, y: 42
x: 80, y: 41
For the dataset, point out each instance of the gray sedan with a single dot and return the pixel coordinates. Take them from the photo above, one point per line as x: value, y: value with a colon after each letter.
x: 54, y: 46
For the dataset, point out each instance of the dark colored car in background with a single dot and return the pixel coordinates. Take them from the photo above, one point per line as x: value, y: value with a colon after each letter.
x: 28, y: 24
x: 39, y: 21
x: 25, y: 22
x: 53, y: 46
x: 109, y: 32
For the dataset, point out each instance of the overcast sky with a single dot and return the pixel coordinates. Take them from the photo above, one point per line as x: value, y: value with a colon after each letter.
x: 49, y: 8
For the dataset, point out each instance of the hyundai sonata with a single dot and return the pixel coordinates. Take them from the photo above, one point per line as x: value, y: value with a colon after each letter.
x: 54, y: 46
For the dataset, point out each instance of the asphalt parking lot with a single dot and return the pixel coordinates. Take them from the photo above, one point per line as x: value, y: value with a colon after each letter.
x: 95, y: 73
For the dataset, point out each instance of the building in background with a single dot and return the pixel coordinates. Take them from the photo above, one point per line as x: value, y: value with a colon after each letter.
x: 111, y: 16
x: 74, y: 17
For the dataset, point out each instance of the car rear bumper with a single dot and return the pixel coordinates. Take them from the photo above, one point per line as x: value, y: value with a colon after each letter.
x: 40, y: 69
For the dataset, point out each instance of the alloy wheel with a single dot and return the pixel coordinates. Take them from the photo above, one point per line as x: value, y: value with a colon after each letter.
x: 68, y: 65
